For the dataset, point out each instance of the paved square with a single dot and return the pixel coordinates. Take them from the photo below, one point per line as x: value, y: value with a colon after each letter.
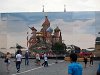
x: 54, y: 69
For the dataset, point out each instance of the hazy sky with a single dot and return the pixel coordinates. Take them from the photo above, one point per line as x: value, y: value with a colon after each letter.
x: 50, y: 5
x: 78, y: 28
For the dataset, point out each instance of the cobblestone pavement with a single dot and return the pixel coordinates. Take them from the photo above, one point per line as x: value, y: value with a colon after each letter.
x: 54, y: 69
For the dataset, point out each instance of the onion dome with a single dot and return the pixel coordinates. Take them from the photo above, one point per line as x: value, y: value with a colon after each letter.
x: 57, y: 29
x: 49, y: 30
x: 46, y: 22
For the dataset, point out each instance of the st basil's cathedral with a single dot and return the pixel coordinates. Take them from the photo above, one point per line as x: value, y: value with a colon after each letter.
x: 46, y: 37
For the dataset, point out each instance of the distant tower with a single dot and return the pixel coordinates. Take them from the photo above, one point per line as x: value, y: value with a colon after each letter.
x: 43, y: 9
x: 64, y: 8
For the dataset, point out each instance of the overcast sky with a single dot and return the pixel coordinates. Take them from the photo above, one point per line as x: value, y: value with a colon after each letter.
x: 49, y: 5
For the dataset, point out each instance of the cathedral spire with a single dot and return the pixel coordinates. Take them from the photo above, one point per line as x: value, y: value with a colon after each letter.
x: 46, y: 22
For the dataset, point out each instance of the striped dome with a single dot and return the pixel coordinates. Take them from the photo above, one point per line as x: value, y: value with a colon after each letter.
x: 49, y: 30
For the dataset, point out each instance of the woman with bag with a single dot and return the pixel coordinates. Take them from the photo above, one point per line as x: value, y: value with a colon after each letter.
x: 38, y: 59
x: 7, y: 60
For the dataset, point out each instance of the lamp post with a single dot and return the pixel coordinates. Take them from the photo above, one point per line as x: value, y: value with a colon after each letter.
x: 27, y: 39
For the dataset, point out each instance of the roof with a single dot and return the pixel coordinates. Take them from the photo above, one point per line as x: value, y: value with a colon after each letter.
x: 57, y: 29
x: 98, y: 39
x: 46, y: 22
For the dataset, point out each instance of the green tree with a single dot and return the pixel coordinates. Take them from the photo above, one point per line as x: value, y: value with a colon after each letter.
x: 59, y: 48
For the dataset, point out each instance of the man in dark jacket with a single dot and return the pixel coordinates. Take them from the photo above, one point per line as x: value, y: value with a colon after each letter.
x: 27, y: 57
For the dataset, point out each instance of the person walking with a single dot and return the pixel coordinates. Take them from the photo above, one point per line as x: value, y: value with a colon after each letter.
x: 18, y: 50
x: 91, y: 60
x: 27, y: 57
x: 7, y: 60
x: 45, y: 64
x: 18, y: 60
x: 85, y: 61
x: 74, y: 68
x: 37, y: 59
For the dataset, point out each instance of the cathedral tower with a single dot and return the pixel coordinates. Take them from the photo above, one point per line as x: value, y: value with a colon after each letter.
x: 32, y: 39
x: 57, y: 35
x: 45, y: 26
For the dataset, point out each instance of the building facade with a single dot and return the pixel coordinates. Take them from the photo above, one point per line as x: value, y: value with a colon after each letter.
x: 97, y: 47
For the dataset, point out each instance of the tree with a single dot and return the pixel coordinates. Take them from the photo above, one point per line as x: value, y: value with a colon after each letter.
x: 59, y: 48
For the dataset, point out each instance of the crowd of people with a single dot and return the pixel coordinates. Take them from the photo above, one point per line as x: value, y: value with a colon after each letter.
x: 18, y: 59
x: 74, y: 68
x: 90, y: 60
